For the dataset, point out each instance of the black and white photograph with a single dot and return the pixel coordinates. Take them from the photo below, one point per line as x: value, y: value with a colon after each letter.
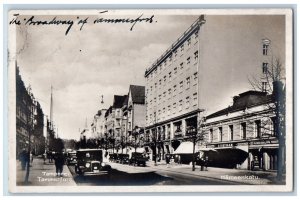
x: 150, y: 100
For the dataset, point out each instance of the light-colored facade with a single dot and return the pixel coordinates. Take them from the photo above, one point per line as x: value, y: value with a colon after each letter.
x: 113, y: 122
x: 202, y: 67
x: 172, y: 86
x: 98, y: 125
x: 248, y: 125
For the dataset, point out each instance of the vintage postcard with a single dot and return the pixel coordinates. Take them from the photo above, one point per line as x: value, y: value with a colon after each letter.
x: 150, y: 100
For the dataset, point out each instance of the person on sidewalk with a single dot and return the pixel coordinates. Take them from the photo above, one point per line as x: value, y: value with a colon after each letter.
x: 59, y: 163
x: 23, y: 157
x: 168, y: 160
x: 206, y: 163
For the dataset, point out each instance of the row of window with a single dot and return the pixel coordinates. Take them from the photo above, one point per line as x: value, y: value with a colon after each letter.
x: 172, y: 109
x: 257, y: 131
x: 175, y: 88
x: 175, y: 53
x: 181, y: 66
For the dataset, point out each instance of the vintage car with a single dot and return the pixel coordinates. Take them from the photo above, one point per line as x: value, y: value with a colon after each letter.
x: 113, y: 157
x: 90, y: 162
x: 123, y: 158
x: 71, y: 158
x: 137, y: 159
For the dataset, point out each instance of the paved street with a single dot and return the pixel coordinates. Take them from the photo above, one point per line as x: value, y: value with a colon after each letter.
x: 174, y: 175
x: 43, y: 174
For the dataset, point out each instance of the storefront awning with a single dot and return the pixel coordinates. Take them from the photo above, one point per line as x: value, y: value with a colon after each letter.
x: 185, y: 148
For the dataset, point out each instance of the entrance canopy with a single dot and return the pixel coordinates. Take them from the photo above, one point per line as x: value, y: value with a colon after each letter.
x: 186, y: 148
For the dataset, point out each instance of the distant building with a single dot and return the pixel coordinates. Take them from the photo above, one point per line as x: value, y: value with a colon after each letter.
x: 113, y: 117
x: 98, y: 124
x: 136, y: 108
x: 247, y: 125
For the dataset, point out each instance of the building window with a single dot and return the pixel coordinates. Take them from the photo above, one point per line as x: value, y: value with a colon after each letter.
x: 188, y: 81
x: 164, y: 110
x: 194, y: 99
x: 257, y: 129
x: 151, y: 88
x: 188, y: 60
x: 174, y: 90
x: 181, y: 66
x: 164, y: 95
x: 182, y: 48
x: 170, y: 75
x: 155, y: 85
x: 210, y: 139
x: 189, y: 42
x: 196, y: 56
x: 180, y: 105
x: 175, y: 70
x: 243, y: 130
x: 220, y: 133
x: 181, y: 86
x: 187, y: 102
x: 159, y: 81
x: 230, y: 133
x: 154, y: 101
x: 169, y: 110
x: 174, y: 108
x: 170, y: 58
x: 169, y: 92
x: 273, y: 126
x: 175, y: 53
x: 264, y: 86
x: 265, y: 68
x: 265, y: 49
x: 195, y: 78
x: 196, y: 35
x: 159, y: 97
x: 165, y: 78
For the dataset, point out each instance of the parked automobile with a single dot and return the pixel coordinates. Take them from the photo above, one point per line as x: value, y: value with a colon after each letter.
x: 90, y: 161
x: 123, y: 158
x: 137, y: 159
x: 71, y: 158
x: 113, y: 157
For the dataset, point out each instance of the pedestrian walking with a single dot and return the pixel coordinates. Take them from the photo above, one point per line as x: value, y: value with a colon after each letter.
x: 44, y: 157
x: 59, y: 163
x: 206, y: 163
x: 168, y: 160
x: 23, y: 157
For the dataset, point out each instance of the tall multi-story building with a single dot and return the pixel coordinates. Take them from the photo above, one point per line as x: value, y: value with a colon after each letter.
x: 29, y: 119
x: 213, y: 58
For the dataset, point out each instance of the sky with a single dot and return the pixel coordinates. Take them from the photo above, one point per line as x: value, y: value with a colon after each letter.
x: 104, y: 59
x: 83, y: 65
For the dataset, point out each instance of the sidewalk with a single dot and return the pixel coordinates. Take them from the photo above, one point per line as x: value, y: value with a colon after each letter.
x: 230, y: 175
x: 44, y: 174
x: 233, y: 175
